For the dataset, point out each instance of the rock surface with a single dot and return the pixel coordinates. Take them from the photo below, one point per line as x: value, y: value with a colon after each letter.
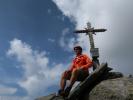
x: 100, y: 85
x: 113, y: 89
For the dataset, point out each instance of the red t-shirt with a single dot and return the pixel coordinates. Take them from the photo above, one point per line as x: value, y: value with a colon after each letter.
x: 81, y: 61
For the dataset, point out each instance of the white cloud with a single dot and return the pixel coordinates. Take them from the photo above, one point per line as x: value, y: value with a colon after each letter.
x: 6, y: 90
x: 15, y: 98
x: 11, y: 98
x: 51, y: 40
x: 116, y: 16
x: 38, y: 75
x: 62, y: 39
x: 66, y: 42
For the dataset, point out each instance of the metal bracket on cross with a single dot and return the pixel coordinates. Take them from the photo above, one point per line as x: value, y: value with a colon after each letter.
x: 94, y: 51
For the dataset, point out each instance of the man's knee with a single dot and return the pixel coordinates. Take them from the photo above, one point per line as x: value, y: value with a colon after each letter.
x: 66, y: 74
x: 76, y: 71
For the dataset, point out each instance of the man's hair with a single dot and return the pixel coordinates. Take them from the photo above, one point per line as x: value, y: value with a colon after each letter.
x: 78, y: 47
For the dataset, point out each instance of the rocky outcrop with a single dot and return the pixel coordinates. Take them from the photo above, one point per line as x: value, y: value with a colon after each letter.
x: 113, y: 89
x: 100, y: 85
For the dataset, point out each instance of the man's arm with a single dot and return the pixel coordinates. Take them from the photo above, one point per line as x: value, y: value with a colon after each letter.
x: 88, y: 64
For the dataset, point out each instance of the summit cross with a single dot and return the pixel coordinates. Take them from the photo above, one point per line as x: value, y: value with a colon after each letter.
x: 90, y: 31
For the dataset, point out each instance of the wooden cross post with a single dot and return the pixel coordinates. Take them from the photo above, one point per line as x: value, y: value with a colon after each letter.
x: 94, y: 51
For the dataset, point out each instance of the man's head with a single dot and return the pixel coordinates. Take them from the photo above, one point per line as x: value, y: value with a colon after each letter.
x: 78, y: 50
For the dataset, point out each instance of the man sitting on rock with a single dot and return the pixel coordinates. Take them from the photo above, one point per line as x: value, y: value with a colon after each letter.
x: 77, y: 72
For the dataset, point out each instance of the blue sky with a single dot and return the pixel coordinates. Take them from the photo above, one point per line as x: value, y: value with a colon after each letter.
x: 38, y: 24
x: 36, y: 39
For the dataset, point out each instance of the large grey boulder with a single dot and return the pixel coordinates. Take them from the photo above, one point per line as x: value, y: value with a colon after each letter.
x: 95, y: 87
x: 113, y: 89
x: 100, y: 85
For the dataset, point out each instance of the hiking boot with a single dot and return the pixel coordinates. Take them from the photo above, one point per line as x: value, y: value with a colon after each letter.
x: 60, y: 92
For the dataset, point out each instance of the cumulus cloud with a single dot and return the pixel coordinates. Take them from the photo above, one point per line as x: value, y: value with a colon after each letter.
x: 11, y: 98
x: 66, y: 41
x: 51, y: 40
x: 5, y: 90
x: 115, y: 15
x: 38, y: 74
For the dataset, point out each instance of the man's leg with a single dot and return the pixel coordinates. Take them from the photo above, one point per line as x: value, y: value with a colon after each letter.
x: 73, y: 79
x: 63, y: 80
x: 65, y: 75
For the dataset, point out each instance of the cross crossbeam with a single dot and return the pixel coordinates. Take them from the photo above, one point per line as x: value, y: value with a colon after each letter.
x: 90, y: 30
